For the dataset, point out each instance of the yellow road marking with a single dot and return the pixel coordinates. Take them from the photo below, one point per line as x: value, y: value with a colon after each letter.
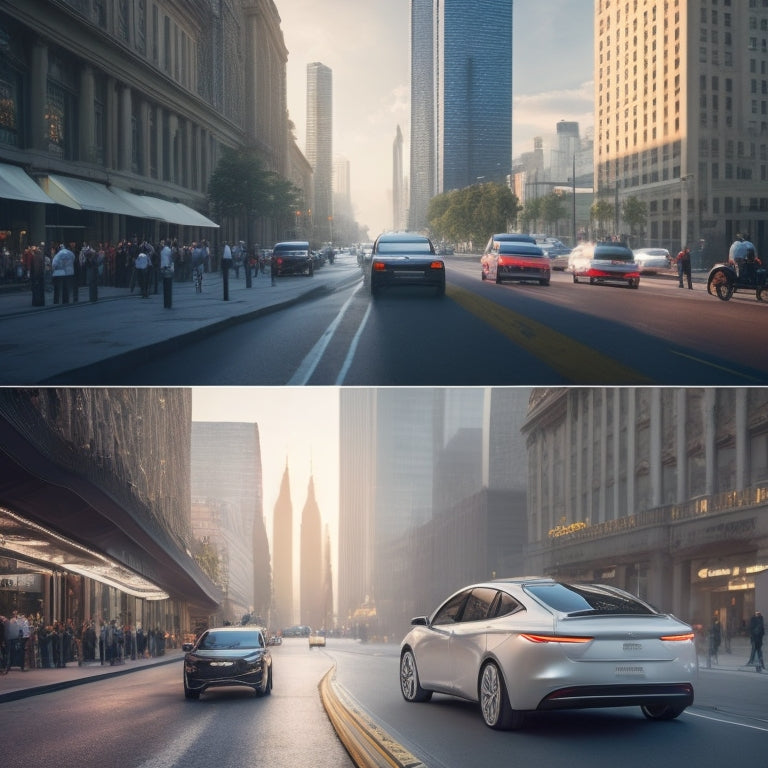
x: 574, y: 361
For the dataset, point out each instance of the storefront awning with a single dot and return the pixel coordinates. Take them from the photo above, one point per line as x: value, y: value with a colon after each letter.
x: 86, y: 195
x: 164, y: 210
x: 15, y: 184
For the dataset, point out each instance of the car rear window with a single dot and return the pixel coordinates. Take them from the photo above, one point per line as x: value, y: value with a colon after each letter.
x: 607, y: 253
x: 520, y: 249
x: 222, y: 641
x: 587, y: 600
x: 404, y: 246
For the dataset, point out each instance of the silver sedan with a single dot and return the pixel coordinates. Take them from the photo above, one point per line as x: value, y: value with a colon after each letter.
x: 524, y: 644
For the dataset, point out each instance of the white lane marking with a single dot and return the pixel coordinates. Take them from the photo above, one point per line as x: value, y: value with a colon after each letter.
x: 727, y: 722
x: 310, y: 362
x: 174, y: 754
x: 352, y: 349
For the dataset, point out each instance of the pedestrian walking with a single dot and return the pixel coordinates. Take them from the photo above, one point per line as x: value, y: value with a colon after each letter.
x: 715, y: 638
x: 63, y: 266
x: 166, y: 270
x: 756, y: 633
x: 141, y: 265
x: 226, y: 265
x: 684, y: 267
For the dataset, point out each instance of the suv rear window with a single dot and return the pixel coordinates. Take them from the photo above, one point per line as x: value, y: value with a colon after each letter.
x: 610, y: 253
x: 587, y: 600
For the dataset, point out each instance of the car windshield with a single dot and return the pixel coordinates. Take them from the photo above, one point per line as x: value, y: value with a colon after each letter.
x: 587, y: 600
x: 226, y: 641
x: 607, y: 253
x: 404, y: 246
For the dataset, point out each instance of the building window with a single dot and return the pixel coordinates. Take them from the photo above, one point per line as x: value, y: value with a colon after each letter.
x: 10, y: 130
x: 59, y: 128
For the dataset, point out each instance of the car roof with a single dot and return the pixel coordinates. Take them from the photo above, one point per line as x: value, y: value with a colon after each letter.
x: 514, y: 236
x: 237, y: 628
x: 292, y: 245
x: 403, y: 237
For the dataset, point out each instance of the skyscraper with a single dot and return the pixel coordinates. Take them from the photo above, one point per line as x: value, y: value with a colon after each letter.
x: 312, y: 610
x: 461, y: 97
x: 398, y: 192
x: 226, y: 480
x: 320, y: 146
x: 282, y: 545
x: 681, y: 118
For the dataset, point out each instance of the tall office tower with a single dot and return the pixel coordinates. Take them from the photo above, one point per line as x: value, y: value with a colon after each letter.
x: 320, y: 146
x: 342, y: 188
x: 398, y: 191
x: 416, y: 473
x: 312, y: 605
x: 422, y: 151
x: 461, y: 97
x: 226, y: 476
x: 681, y: 111
x: 282, y: 546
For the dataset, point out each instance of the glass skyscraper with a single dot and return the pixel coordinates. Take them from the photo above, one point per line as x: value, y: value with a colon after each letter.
x: 461, y: 97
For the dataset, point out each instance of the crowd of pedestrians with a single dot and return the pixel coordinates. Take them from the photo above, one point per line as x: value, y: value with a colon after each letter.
x: 65, y: 268
x: 27, y: 644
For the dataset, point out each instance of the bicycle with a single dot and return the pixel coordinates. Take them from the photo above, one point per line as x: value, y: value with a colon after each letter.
x: 197, y: 276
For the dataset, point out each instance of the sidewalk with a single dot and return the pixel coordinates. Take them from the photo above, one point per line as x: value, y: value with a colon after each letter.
x: 73, y: 343
x: 736, y: 660
x: 31, y: 682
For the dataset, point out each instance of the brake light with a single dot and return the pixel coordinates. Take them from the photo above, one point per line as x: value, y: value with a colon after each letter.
x: 555, y: 638
x: 379, y: 266
x: 678, y: 638
x: 436, y: 265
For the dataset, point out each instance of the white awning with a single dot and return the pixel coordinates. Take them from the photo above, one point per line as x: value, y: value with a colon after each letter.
x: 15, y: 184
x: 87, y: 195
x: 165, y: 210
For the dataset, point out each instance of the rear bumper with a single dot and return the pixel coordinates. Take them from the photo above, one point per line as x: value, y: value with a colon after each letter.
x: 588, y: 696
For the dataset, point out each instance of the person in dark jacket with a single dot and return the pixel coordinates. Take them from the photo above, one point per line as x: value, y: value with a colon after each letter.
x: 756, y: 633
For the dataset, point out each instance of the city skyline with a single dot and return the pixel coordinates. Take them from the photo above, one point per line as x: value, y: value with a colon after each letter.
x: 367, y: 47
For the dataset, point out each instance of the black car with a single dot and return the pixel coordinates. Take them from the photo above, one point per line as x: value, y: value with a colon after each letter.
x: 403, y: 258
x: 292, y: 257
x: 228, y: 656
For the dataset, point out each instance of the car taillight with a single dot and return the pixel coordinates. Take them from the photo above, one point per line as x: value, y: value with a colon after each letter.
x: 436, y: 265
x: 379, y: 266
x: 555, y: 638
x: 678, y: 638
x: 279, y: 259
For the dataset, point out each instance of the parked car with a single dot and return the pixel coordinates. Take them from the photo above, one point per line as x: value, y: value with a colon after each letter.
x: 292, y: 257
x: 525, y: 644
x: 403, y: 258
x: 228, y: 656
x: 651, y: 260
x: 514, y: 260
x: 604, y: 263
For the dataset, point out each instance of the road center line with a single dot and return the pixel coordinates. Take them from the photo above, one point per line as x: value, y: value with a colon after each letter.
x: 310, y: 362
x: 352, y: 349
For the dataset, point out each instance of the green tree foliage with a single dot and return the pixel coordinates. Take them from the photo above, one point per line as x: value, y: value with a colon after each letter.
x: 207, y: 557
x: 530, y: 215
x: 634, y: 212
x: 553, y: 209
x: 602, y: 212
x: 241, y: 187
x: 472, y: 213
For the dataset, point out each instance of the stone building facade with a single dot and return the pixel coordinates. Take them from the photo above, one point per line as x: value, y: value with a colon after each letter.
x: 663, y: 492
x: 116, y: 101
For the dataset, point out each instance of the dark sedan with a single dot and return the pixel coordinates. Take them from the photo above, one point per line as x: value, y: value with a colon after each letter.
x: 405, y: 259
x: 228, y: 656
x: 292, y: 258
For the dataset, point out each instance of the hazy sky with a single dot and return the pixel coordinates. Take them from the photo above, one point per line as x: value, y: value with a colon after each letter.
x: 367, y: 45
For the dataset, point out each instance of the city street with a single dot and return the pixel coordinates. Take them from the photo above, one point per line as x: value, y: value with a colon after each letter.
x: 480, y: 334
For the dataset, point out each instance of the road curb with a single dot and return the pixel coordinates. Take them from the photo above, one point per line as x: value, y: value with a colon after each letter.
x: 142, y: 355
x: 36, y: 690
x: 369, y: 745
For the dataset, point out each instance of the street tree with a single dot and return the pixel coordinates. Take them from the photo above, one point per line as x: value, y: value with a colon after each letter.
x: 553, y: 209
x: 601, y: 212
x: 634, y: 212
x: 529, y: 217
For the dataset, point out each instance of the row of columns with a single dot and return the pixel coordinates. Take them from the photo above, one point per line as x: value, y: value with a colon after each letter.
x: 181, y: 146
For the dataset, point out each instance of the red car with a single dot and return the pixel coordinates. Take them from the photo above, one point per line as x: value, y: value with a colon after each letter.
x: 513, y: 260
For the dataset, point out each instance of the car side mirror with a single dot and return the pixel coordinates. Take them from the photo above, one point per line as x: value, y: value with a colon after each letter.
x: 187, y: 647
x: 420, y: 621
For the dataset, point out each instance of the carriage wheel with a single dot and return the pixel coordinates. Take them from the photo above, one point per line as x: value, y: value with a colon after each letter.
x: 721, y: 285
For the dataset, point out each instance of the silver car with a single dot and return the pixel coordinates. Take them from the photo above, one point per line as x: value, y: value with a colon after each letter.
x: 524, y: 644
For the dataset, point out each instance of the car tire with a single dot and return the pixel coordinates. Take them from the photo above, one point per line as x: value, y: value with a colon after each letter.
x: 375, y: 290
x: 440, y: 290
x: 189, y: 693
x: 267, y: 689
x: 575, y: 279
x: 634, y: 283
x: 410, y: 686
x: 494, y: 701
x: 543, y: 282
x: 483, y: 275
x: 662, y: 711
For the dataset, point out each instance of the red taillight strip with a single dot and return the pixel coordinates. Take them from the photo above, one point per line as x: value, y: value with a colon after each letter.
x: 555, y: 638
x: 437, y: 265
x: 678, y: 638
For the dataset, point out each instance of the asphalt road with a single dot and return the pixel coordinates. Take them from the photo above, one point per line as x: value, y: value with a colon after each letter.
x: 728, y: 722
x: 142, y: 720
x: 483, y: 334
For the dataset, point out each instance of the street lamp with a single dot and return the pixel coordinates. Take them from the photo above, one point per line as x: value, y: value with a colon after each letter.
x: 684, y: 209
